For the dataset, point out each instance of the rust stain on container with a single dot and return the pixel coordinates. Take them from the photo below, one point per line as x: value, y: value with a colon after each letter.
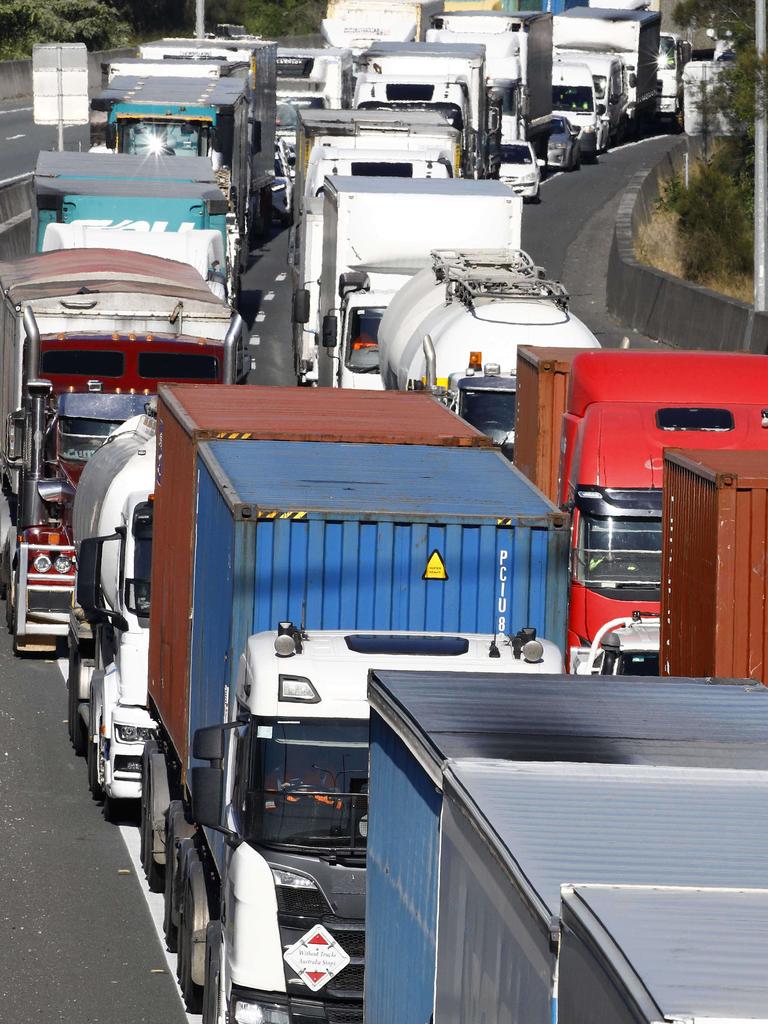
x: 188, y: 414
x: 542, y: 394
x: 714, y: 600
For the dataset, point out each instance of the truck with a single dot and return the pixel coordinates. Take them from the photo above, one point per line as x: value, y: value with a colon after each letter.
x: 511, y: 790
x: 643, y: 953
x: 457, y: 324
x: 108, y: 643
x: 358, y: 24
x: 364, y: 266
x: 701, y: 115
x: 311, y: 79
x: 84, y: 337
x: 633, y: 35
x: 260, y: 57
x: 148, y: 116
x: 436, y: 76
x: 626, y: 646
x: 624, y: 408
x: 518, y: 65
x: 674, y: 53
x: 294, y: 569
x: 610, y: 81
x: 173, y: 67
x: 128, y: 194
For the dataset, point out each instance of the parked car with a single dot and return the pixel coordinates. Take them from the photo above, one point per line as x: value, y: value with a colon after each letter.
x: 520, y: 169
x: 564, y: 149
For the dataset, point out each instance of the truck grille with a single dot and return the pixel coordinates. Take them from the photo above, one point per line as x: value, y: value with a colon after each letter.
x: 300, y: 902
x: 337, y: 1013
x: 348, y: 980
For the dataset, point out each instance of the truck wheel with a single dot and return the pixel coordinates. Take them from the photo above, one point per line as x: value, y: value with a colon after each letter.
x: 213, y: 942
x: 178, y: 829
x: 78, y: 734
x: 155, y: 800
x: 193, y: 924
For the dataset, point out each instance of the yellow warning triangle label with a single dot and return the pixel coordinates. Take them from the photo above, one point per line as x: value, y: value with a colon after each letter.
x: 435, y: 569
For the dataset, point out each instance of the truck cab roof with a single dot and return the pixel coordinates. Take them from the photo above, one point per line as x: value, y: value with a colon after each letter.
x: 418, y: 186
x: 461, y: 51
x: 205, y: 91
x: 611, y: 14
x: 505, y: 20
x: 336, y: 663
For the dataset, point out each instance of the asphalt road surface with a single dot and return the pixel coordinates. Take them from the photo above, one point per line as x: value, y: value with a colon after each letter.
x: 79, y: 930
x: 21, y: 139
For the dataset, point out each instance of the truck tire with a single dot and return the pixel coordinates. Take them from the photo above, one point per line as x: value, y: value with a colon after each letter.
x: 193, y: 924
x: 213, y: 943
x: 78, y: 734
x: 155, y: 801
x: 178, y: 830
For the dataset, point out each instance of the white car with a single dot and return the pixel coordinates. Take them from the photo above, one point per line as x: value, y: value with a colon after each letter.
x: 520, y: 169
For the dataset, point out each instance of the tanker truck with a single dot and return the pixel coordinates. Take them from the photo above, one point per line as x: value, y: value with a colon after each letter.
x: 455, y: 326
x: 109, y: 623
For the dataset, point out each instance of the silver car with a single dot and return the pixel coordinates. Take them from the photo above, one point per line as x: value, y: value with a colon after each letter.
x: 564, y: 148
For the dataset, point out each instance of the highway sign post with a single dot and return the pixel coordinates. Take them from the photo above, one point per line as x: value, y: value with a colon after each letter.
x: 60, y: 85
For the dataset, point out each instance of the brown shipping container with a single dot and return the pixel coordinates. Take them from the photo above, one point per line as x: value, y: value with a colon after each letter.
x: 714, y: 612
x: 542, y: 393
x: 190, y: 413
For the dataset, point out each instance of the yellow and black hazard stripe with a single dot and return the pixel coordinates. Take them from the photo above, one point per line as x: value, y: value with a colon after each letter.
x: 234, y: 435
x: 277, y: 514
x: 504, y: 522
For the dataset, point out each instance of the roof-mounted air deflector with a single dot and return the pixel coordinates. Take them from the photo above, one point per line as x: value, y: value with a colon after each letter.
x: 472, y: 274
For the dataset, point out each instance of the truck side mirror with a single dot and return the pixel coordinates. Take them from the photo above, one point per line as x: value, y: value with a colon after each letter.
x: 301, y: 306
x: 632, y: 80
x: 208, y: 743
x: 330, y: 331
x: 600, y: 109
x: 208, y: 781
x: 88, y: 592
x: 110, y: 135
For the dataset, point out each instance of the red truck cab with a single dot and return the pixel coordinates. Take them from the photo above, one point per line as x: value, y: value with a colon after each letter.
x: 624, y: 408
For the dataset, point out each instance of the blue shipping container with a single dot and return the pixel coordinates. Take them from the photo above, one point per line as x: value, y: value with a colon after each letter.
x: 343, y: 536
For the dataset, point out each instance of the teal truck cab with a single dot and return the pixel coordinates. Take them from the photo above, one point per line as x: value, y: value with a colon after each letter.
x: 137, y: 195
x: 151, y: 115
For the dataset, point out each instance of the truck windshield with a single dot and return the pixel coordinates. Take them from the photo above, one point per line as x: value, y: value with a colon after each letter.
x: 667, y: 53
x: 492, y: 412
x: 515, y: 155
x: 79, y: 438
x: 308, y: 784
x: 618, y: 552
x: 577, y: 98
x: 145, y: 137
x: 363, y: 344
x: 288, y: 109
x: 600, y: 83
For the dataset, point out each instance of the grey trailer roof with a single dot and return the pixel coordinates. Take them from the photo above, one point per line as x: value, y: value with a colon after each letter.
x: 119, y: 174
x: 312, y: 117
x: 311, y: 51
x: 224, y: 68
x: 509, y: 15
x: 556, y: 824
x: 217, y: 42
x: 203, y: 92
x: 469, y: 51
x: 606, y: 719
x: 609, y: 14
x: 696, y: 953
x: 458, y: 187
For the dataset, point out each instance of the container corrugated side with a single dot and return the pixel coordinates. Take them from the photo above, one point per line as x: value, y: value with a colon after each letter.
x: 357, y: 570
x: 715, y: 559
x: 542, y: 393
x: 401, y: 883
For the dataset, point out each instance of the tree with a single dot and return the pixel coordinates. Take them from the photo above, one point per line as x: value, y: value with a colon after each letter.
x: 26, y: 22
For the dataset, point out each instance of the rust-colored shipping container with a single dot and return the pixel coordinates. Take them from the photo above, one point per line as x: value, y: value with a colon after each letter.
x: 714, y: 600
x: 190, y: 413
x: 542, y: 394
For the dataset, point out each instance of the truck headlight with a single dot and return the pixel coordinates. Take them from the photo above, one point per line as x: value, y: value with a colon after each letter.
x: 133, y: 733
x: 42, y: 563
x: 291, y: 880
x: 261, y: 1013
x: 63, y: 564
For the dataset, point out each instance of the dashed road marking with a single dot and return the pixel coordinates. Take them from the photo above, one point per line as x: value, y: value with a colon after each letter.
x: 255, y: 339
x: 261, y: 316
x: 11, y: 138
x: 281, y: 277
x: 15, y: 110
x: 268, y: 297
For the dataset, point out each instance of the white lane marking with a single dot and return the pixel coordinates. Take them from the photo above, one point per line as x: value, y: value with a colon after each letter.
x: 261, y: 316
x: 281, y: 277
x: 15, y: 178
x: 10, y: 138
x: 15, y: 110
x: 551, y: 177
x: 255, y: 339
x: 154, y: 900
x: 269, y: 296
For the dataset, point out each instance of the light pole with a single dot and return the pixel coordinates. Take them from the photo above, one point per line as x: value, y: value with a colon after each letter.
x: 761, y: 157
x: 199, y: 18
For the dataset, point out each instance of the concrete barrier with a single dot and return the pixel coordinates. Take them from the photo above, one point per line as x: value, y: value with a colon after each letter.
x: 16, y: 75
x: 660, y: 305
x: 16, y: 217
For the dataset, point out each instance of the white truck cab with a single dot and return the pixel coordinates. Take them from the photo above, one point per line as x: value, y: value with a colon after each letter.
x: 627, y: 646
x: 573, y: 96
x: 296, y: 795
x: 610, y: 78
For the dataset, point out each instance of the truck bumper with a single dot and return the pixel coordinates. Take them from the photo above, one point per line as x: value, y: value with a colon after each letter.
x: 122, y: 760
x: 245, y: 1005
x: 42, y: 605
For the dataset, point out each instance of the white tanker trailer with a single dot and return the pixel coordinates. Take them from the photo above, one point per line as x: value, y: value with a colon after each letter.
x: 455, y: 328
x: 109, y: 625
